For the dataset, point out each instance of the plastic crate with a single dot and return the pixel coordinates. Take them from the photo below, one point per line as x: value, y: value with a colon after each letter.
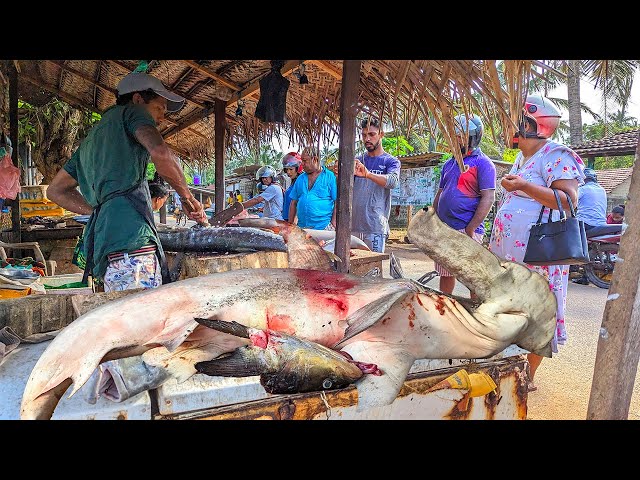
x: 33, y: 193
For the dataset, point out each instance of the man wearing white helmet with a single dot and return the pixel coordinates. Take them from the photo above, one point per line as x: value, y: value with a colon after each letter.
x: 464, y: 199
x: 272, y: 196
x: 541, y: 166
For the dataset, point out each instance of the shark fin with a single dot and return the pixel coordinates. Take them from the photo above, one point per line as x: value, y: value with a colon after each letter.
x: 393, y: 360
x: 368, y: 315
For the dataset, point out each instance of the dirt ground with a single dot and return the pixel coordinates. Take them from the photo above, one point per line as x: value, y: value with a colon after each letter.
x: 564, y: 381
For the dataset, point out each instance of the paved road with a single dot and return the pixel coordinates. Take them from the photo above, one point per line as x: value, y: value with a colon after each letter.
x: 564, y: 382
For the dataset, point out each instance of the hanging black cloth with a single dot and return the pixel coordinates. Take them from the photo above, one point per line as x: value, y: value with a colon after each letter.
x: 140, y: 198
x: 273, y: 95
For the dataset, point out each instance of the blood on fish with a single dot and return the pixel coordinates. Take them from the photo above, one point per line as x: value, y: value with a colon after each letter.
x: 412, y: 316
x: 260, y: 338
x: 315, y: 281
x: 420, y: 302
x: 280, y: 323
x: 385, y: 319
x: 440, y: 305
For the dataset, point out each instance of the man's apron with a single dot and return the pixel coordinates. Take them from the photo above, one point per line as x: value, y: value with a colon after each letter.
x: 140, y: 198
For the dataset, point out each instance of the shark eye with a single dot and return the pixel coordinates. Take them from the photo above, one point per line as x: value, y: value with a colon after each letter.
x: 327, y: 383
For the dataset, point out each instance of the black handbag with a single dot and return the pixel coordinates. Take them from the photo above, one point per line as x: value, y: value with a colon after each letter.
x: 563, y: 242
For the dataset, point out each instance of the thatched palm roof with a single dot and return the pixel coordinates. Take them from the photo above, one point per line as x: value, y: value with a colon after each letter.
x: 403, y: 92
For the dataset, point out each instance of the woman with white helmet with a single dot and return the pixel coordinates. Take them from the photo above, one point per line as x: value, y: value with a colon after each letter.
x: 541, y: 165
x: 272, y: 195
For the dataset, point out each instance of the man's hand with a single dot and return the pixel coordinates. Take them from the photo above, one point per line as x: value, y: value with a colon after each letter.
x: 194, y: 210
x: 469, y: 231
x: 513, y: 182
x: 360, y: 170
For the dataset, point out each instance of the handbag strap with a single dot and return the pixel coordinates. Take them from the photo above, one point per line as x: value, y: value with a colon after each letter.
x: 571, y: 209
x: 563, y: 216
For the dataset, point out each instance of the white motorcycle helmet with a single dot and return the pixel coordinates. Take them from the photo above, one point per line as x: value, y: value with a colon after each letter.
x: 266, y: 171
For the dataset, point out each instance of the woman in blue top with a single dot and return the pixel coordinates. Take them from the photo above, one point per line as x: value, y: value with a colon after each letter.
x: 292, y: 166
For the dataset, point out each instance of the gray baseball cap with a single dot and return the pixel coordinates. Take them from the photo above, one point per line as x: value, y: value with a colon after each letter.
x: 139, y: 82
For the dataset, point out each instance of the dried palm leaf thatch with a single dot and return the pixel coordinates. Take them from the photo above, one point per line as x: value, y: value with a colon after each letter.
x: 406, y: 94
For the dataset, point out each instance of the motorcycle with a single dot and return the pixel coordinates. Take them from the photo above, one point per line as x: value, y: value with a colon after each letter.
x: 603, y: 253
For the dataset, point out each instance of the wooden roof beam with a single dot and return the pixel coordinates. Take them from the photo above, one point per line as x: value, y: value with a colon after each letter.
x: 82, y: 75
x: 211, y: 74
x: 250, y: 88
x: 327, y: 68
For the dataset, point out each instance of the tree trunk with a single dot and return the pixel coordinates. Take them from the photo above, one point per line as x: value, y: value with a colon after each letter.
x: 573, y: 96
x: 58, y: 128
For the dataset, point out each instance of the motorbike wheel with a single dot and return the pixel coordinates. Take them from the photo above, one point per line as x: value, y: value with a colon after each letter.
x: 600, y: 269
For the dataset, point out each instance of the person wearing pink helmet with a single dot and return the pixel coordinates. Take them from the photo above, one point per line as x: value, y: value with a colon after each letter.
x: 541, y: 165
x: 292, y: 167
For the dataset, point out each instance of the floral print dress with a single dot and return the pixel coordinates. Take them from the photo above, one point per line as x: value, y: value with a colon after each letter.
x: 517, y: 212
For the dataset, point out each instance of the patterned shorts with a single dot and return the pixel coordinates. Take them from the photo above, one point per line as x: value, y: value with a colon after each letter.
x: 443, y: 272
x: 133, y: 271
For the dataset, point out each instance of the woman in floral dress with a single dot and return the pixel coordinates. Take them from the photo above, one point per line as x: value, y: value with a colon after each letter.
x: 541, y: 165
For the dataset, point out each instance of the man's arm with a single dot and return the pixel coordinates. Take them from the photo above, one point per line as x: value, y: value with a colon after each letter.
x: 168, y: 168
x: 487, y: 197
x: 293, y: 210
x: 253, y: 201
x: 62, y: 190
x: 389, y: 180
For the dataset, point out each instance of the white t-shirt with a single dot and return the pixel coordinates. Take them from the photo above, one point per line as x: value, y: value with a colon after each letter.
x: 273, y: 199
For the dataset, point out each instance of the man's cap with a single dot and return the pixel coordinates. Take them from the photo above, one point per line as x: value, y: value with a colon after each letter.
x: 139, y: 82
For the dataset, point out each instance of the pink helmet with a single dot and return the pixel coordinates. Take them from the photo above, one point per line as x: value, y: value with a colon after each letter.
x: 543, y: 113
x: 292, y: 159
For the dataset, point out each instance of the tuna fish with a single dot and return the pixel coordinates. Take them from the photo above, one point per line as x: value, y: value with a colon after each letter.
x: 220, y: 239
x: 286, y: 364
x: 386, y: 322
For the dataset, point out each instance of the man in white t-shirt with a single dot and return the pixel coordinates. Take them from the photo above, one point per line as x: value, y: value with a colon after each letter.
x: 272, y: 196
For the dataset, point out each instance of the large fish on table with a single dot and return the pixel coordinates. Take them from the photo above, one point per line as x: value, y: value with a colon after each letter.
x: 388, y: 323
x: 219, y: 239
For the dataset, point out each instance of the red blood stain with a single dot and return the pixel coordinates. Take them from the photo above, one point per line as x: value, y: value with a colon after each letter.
x: 440, y: 305
x: 412, y: 316
x: 323, y: 282
x: 280, y: 323
x: 385, y: 319
x: 259, y: 338
x: 326, y: 290
x: 420, y: 302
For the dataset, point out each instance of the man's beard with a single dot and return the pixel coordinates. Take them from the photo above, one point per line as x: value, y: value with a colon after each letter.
x: 373, y: 148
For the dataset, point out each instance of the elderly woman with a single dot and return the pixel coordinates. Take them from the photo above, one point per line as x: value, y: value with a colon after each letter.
x: 313, y: 197
x: 541, y: 165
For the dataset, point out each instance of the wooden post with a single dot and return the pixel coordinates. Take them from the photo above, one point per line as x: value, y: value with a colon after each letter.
x: 219, y: 115
x: 346, y: 152
x: 13, y: 135
x: 409, y: 214
x: 619, y: 341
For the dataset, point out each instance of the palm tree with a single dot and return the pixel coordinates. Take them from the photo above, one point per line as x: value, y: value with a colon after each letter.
x: 613, y: 77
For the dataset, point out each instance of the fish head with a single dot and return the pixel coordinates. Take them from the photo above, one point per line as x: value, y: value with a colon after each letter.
x: 286, y: 364
x: 305, y: 366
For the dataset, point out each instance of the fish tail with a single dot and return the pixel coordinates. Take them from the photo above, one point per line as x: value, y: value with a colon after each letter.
x: 236, y: 364
x: 233, y: 328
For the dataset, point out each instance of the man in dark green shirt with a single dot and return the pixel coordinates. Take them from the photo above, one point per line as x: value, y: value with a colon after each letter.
x: 110, y: 167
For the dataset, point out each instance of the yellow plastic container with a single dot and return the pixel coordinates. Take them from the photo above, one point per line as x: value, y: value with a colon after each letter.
x: 478, y: 384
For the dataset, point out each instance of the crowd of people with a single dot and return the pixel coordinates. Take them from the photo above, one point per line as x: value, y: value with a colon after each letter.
x: 120, y: 243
